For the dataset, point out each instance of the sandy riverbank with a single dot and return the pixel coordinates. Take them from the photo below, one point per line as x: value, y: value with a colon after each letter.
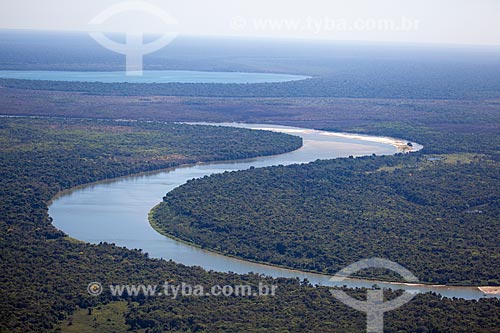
x: 490, y: 290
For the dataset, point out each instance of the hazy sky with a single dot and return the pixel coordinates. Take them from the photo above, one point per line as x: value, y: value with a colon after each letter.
x: 428, y: 21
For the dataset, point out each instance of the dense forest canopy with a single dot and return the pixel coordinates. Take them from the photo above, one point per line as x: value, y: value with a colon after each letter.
x: 437, y: 218
x: 40, y: 157
x: 371, y: 205
x: 44, y: 274
x: 446, y: 98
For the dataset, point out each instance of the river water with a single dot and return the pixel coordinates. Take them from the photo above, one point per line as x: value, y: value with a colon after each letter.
x: 160, y: 76
x: 116, y: 211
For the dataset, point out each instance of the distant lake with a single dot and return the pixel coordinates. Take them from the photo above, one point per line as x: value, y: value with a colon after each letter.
x: 164, y: 76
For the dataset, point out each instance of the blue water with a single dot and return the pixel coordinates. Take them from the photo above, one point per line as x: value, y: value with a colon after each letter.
x: 165, y: 76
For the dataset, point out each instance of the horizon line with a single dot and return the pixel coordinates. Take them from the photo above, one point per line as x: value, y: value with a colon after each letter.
x: 270, y: 38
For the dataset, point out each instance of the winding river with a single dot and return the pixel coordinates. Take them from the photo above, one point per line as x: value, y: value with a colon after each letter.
x: 116, y: 211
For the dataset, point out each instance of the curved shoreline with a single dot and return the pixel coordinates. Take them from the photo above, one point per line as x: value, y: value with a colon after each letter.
x: 468, y: 290
x: 400, y: 144
x: 152, y: 76
x: 492, y: 290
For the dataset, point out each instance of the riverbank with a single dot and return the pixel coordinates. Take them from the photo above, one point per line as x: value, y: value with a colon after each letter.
x: 116, y: 212
x: 372, y: 282
x: 401, y: 145
x: 490, y: 290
